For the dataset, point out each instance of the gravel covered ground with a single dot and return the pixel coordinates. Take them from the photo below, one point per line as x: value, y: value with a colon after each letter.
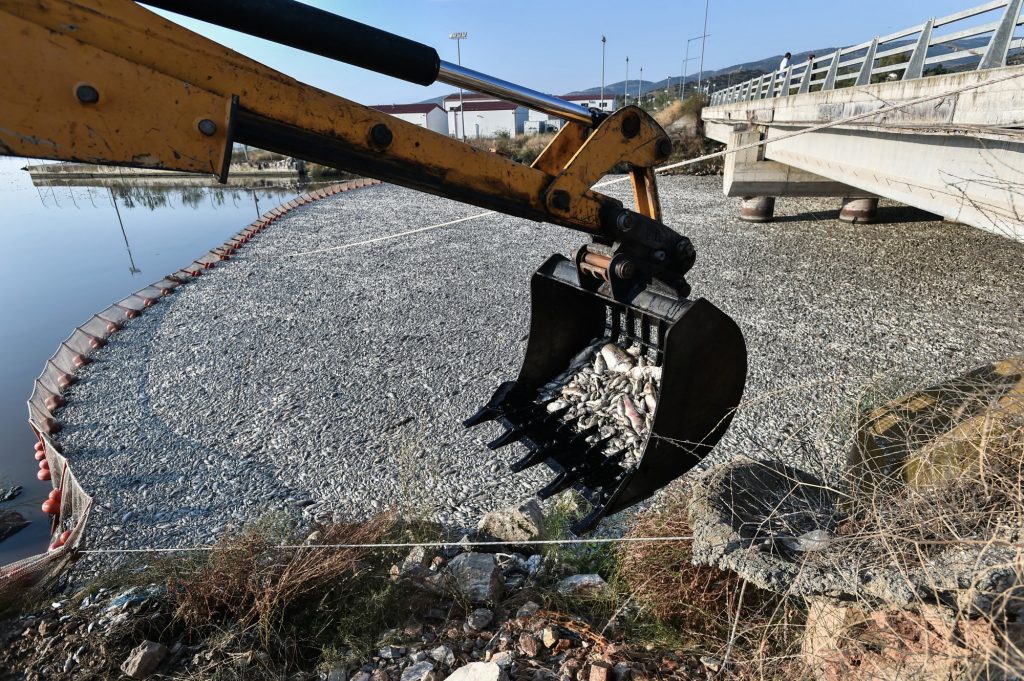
x: 336, y: 382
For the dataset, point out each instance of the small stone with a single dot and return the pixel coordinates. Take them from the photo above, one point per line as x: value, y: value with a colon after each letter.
x: 514, y: 524
x: 443, y: 655
x: 10, y: 493
x: 477, y: 576
x: 361, y: 676
x: 479, y: 619
x: 528, y: 644
x: 815, y: 540
x: 421, y: 671
x: 415, y: 561
x: 712, y: 664
x: 549, y: 636
x: 379, y: 675
x: 527, y: 609
x: 338, y: 674
x: 577, y: 585
x: 534, y: 564
x: 621, y: 671
x: 144, y: 659
x: 504, y: 659
x: 600, y: 671
x: 390, y: 652
x: 11, y: 522
x: 478, y: 671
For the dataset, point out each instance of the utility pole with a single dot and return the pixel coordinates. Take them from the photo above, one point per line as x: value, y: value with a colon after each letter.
x: 639, y: 84
x: 625, y: 88
x: 700, y: 77
x: 458, y: 37
x: 603, y: 41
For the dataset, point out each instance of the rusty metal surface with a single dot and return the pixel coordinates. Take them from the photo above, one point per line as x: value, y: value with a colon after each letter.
x: 141, y: 118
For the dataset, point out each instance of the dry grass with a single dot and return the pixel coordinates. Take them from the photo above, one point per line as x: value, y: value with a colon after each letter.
x: 248, y: 580
x: 663, y: 578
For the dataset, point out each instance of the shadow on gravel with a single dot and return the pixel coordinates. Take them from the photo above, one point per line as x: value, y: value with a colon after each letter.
x: 886, y: 215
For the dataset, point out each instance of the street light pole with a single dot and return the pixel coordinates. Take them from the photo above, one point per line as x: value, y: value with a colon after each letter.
x: 625, y: 88
x: 686, y: 61
x: 603, y: 41
x: 702, y: 43
x: 639, y: 85
x: 458, y: 37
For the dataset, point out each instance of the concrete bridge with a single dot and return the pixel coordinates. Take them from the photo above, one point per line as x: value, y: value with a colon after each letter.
x: 951, y: 144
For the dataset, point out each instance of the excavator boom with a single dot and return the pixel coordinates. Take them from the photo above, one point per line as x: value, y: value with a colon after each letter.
x: 108, y: 81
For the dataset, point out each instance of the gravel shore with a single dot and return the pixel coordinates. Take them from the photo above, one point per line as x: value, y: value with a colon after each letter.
x: 336, y: 382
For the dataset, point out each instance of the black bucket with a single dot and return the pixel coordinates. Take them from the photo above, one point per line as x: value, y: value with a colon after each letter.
x: 704, y: 363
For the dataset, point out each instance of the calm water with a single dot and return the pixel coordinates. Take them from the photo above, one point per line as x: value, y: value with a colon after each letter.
x: 66, y: 252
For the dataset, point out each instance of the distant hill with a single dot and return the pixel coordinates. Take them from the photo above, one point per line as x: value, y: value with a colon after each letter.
x: 737, y: 73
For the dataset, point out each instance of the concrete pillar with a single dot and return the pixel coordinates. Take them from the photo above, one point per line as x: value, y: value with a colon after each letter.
x: 757, y: 208
x: 859, y: 210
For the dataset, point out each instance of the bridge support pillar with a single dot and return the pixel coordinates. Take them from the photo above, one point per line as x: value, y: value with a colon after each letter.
x: 757, y: 208
x: 859, y: 210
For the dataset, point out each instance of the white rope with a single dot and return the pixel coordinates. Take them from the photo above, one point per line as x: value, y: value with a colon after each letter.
x: 699, y: 159
x: 391, y: 236
x: 405, y: 545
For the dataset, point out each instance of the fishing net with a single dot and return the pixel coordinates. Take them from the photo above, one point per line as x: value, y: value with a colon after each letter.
x: 69, y: 523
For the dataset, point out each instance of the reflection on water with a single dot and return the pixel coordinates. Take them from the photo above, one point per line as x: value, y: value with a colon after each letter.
x: 70, y: 247
x: 153, y: 194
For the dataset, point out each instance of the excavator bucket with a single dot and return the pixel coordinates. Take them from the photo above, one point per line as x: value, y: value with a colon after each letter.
x: 695, y: 349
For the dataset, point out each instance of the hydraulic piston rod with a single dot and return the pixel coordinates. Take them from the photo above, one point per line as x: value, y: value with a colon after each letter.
x: 460, y: 76
x: 314, y: 30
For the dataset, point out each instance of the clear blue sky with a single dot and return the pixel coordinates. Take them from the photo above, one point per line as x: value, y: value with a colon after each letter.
x: 556, y: 46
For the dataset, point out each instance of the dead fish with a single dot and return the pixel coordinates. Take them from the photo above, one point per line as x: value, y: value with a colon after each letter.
x: 634, y: 350
x: 631, y: 414
x: 616, y: 358
x: 556, y: 405
x: 600, y: 365
x: 572, y: 391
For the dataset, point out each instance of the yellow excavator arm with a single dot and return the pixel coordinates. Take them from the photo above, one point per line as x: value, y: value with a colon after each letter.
x: 108, y: 81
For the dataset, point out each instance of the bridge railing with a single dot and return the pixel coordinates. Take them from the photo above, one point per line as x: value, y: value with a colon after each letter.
x: 909, y: 51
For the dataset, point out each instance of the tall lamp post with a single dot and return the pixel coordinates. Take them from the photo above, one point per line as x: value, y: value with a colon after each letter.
x: 458, y: 37
x: 603, y: 41
x: 639, y: 85
x: 702, y: 43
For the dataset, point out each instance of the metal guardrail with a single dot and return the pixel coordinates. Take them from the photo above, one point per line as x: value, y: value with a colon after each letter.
x: 858, y: 63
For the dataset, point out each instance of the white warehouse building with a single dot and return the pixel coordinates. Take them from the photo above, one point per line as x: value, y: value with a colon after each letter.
x: 429, y: 115
x: 485, y: 116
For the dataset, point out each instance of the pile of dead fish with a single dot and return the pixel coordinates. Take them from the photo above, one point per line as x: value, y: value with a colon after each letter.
x: 612, y: 388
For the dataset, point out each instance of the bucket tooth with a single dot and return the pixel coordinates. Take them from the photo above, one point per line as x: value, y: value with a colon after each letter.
x: 506, y: 438
x: 508, y: 394
x: 538, y: 455
x: 560, y: 482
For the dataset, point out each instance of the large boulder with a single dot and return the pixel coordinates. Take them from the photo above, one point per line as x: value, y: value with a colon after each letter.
x: 476, y: 576
x: 523, y: 523
x: 782, y: 529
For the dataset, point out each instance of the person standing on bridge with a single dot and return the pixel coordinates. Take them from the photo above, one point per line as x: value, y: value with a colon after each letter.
x: 784, y: 64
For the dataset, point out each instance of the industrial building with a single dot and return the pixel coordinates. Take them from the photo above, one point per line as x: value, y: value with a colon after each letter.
x: 486, y: 115
x: 427, y: 115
